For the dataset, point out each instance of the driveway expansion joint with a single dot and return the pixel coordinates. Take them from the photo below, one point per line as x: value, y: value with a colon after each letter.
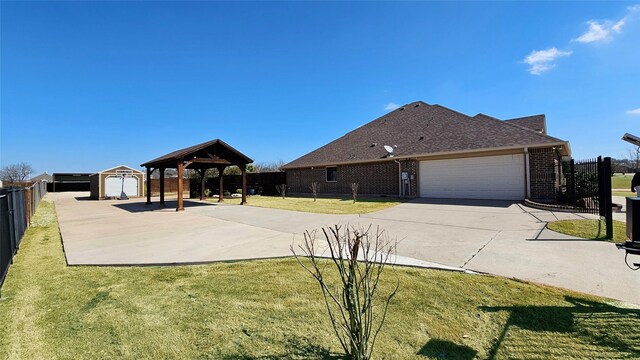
x: 482, y: 248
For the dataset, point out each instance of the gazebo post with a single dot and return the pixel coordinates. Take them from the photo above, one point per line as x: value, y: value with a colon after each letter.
x: 148, y: 185
x: 161, y: 186
x: 221, y: 174
x: 243, y: 167
x: 202, y: 174
x: 180, y: 186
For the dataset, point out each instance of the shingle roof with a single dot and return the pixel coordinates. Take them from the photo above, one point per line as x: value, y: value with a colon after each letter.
x: 172, y: 157
x: 535, y: 122
x: 118, y: 168
x: 44, y: 176
x: 419, y: 129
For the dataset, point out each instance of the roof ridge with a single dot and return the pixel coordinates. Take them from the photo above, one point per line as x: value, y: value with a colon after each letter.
x: 455, y: 111
x: 519, y: 126
x: 401, y: 108
x: 524, y: 117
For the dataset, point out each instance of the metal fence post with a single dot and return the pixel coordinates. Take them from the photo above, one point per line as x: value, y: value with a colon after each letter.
x: 606, y: 194
x: 572, y: 182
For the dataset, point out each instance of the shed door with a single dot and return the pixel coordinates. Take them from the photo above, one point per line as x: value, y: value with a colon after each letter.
x: 489, y: 177
x: 113, y: 186
x: 131, y: 186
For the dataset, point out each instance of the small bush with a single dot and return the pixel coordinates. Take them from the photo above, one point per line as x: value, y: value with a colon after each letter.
x: 227, y: 193
x: 239, y: 191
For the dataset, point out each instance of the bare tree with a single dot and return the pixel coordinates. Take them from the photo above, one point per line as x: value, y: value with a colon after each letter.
x: 355, y: 312
x: 354, y: 191
x: 282, y: 190
x: 263, y: 167
x: 634, y: 156
x: 314, y: 190
x: 16, y: 173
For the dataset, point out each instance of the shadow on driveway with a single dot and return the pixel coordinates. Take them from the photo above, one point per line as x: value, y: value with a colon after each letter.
x: 138, y: 207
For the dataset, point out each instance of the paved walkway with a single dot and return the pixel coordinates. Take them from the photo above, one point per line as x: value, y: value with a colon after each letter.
x: 494, y: 237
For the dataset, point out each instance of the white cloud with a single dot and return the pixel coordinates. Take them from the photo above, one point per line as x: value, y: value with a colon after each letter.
x: 598, y: 31
x: 617, y: 27
x: 633, y: 112
x: 605, y: 30
x: 391, y: 106
x: 542, y: 60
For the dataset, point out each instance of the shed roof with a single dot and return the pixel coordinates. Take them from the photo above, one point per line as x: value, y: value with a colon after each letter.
x: 118, y: 167
x: 420, y: 129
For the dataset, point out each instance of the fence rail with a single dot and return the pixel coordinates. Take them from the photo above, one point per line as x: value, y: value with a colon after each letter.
x: 17, y: 206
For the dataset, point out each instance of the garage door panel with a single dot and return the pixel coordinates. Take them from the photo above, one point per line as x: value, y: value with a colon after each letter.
x: 114, y: 186
x: 131, y: 186
x: 490, y: 177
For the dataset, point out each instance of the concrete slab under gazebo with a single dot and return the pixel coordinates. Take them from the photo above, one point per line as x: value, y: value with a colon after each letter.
x: 211, y: 154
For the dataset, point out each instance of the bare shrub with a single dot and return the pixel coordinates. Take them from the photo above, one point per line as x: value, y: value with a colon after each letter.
x: 355, y: 311
x: 282, y: 190
x: 354, y: 191
x: 314, y: 190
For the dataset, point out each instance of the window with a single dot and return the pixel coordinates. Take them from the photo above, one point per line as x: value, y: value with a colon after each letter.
x: 332, y: 174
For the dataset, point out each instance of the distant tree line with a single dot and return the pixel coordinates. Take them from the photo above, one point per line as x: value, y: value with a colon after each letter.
x: 259, y: 167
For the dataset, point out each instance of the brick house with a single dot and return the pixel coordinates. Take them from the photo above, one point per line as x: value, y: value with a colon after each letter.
x: 422, y: 150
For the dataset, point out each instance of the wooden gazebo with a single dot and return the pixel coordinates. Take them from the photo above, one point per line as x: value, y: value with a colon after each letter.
x: 211, y: 154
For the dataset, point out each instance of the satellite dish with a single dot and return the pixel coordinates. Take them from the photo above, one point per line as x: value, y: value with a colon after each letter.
x: 389, y: 150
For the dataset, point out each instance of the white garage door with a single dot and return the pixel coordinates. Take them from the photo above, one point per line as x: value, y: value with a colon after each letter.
x: 489, y: 177
x: 113, y: 186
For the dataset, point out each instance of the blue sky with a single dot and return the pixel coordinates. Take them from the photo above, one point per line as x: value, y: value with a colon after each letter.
x: 89, y: 85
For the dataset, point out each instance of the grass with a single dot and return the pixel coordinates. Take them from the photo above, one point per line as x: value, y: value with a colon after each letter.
x: 623, y: 193
x: 621, y: 181
x: 322, y: 205
x: 589, y: 229
x: 271, y: 309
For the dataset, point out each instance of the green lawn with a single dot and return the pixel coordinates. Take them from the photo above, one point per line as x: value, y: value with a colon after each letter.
x: 621, y: 181
x: 322, y: 205
x: 623, y: 193
x: 271, y: 309
x: 589, y: 229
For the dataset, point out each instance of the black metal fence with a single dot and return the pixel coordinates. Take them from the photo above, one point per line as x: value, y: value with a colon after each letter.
x: 17, y: 204
x: 587, y: 188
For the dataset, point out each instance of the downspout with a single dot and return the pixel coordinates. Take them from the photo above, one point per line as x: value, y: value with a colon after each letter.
x: 399, y: 178
x: 527, y: 172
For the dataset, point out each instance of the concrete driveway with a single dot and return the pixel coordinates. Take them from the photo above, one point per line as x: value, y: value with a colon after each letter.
x: 500, y: 238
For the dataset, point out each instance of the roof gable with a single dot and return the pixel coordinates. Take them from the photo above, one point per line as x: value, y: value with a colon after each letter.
x: 213, y: 148
x: 419, y: 129
x: 119, y: 167
x: 536, y: 123
x: 42, y: 177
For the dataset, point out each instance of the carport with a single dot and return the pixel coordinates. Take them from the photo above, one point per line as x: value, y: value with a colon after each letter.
x: 211, y: 154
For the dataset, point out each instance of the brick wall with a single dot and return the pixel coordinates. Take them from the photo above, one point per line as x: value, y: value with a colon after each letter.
x: 373, y: 178
x: 544, y: 176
